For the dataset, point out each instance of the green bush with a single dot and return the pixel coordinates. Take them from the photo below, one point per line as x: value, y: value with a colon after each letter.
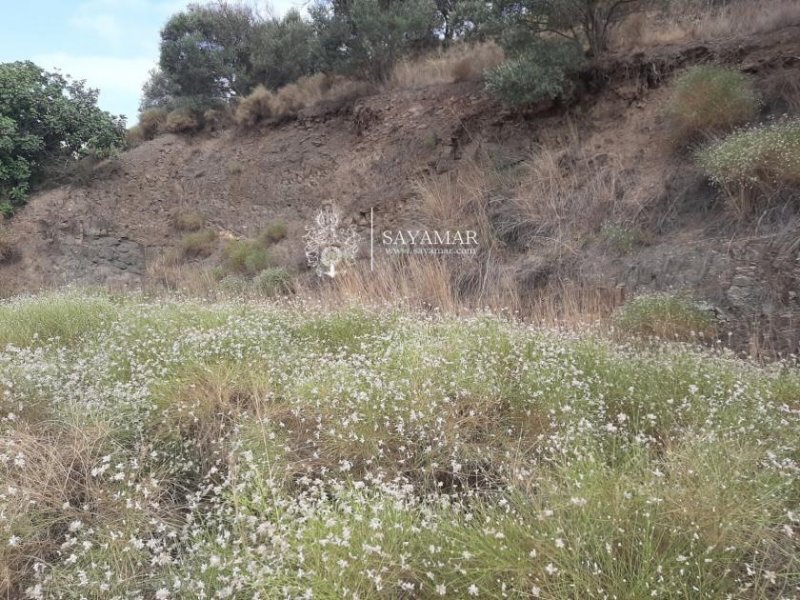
x: 545, y: 71
x: 199, y: 243
x: 708, y: 99
x: 47, y: 118
x: 273, y: 233
x: 767, y: 156
x: 246, y: 257
x: 273, y: 282
x: 664, y: 316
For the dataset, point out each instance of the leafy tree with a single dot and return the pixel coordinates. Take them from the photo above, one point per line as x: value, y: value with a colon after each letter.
x: 586, y: 21
x: 206, y: 51
x: 44, y: 116
x: 283, y: 50
x: 367, y: 37
x: 159, y: 91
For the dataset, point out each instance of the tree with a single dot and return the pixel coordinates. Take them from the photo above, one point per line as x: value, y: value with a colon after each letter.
x: 206, y: 50
x: 283, y: 50
x: 367, y: 37
x: 586, y: 21
x: 44, y: 116
x: 159, y: 91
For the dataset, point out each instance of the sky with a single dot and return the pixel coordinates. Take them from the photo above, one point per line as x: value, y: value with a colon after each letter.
x: 112, y: 44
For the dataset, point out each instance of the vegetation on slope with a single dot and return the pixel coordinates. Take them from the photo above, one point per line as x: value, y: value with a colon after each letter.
x: 181, y: 450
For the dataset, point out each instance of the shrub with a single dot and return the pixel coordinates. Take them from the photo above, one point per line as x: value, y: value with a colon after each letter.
x: 152, y: 122
x: 188, y: 221
x: 546, y: 71
x: 273, y: 282
x: 273, y: 233
x: 255, y: 107
x: 216, y: 118
x: 182, y: 120
x: 766, y: 156
x: 665, y: 316
x: 708, y: 99
x: 199, y: 244
x: 246, y: 257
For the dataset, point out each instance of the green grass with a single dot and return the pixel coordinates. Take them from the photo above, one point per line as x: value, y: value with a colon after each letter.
x: 182, y: 449
x: 246, y: 257
x: 665, y: 316
x: 64, y: 317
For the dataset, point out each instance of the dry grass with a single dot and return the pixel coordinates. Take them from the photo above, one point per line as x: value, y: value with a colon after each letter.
x: 427, y: 282
x: 460, y: 62
x: 459, y: 200
x: 167, y: 272
x: 151, y: 122
x: 289, y: 100
x: 563, y: 194
x: 188, y: 221
x: 697, y: 20
x: 255, y: 107
x: 7, y: 245
x: 51, y: 483
x: 182, y: 121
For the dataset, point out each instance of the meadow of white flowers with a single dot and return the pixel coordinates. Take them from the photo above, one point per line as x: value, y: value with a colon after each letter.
x: 172, y: 449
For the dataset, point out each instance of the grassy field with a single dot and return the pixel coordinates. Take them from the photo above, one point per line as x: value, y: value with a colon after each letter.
x: 174, y: 449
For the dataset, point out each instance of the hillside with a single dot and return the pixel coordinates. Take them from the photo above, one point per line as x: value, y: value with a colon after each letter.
x: 626, y: 213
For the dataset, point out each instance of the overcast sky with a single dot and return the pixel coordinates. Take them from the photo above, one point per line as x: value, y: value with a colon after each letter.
x: 110, y: 43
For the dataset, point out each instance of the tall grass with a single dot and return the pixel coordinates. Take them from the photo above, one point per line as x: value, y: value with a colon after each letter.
x: 62, y: 317
x: 460, y: 62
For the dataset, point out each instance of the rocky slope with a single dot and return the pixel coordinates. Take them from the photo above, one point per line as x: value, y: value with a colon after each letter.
x: 370, y: 156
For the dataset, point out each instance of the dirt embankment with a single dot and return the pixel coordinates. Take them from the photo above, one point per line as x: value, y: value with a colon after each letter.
x: 369, y: 156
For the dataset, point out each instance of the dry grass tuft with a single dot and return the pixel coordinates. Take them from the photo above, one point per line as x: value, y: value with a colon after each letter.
x: 697, y: 20
x: 182, y: 121
x: 460, y: 62
x: 152, y: 122
x: 459, y: 200
x: 188, y: 221
x: 563, y: 194
x: 255, y: 107
x: 289, y: 100
x: 51, y: 484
